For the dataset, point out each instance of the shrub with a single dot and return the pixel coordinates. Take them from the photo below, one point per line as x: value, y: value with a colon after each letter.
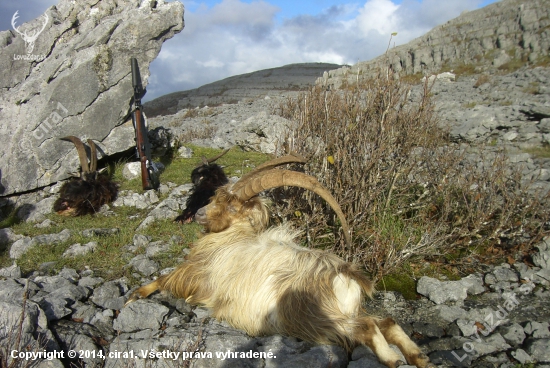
x: 405, y: 189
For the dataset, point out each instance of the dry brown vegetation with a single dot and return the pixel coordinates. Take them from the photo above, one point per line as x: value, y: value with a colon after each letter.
x: 481, y: 80
x: 207, y: 131
x: 12, y: 338
x: 405, y: 189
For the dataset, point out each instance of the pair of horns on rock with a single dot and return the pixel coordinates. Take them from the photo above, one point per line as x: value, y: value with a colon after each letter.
x: 82, y: 153
x: 266, y: 177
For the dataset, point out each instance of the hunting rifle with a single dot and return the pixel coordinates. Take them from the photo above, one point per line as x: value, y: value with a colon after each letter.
x: 149, y: 176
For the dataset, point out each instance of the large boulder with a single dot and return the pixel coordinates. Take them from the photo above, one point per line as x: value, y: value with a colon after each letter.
x: 74, y: 79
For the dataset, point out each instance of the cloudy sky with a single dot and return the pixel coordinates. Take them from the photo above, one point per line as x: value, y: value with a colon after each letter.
x: 222, y: 38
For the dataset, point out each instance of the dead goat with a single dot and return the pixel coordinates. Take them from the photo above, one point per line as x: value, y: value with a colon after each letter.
x: 263, y: 282
x: 206, y: 178
x: 87, y: 193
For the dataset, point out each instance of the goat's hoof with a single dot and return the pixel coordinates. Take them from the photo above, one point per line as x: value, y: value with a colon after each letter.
x: 135, y: 296
x: 421, y: 360
x: 390, y: 363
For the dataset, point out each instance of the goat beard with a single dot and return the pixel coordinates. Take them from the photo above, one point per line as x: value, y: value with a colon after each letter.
x: 81, y: 197
x: 200, y: 197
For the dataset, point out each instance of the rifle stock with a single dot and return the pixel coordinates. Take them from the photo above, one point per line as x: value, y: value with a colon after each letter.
x: 148, y: 170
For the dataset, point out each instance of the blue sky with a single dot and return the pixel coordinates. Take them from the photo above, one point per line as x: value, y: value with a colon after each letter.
x: 292, y: 8
x: 222, y: 38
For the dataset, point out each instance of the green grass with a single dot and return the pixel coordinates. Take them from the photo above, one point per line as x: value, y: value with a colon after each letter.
x: 540, y: 152
x: 178, y: 170
x: 512, y: 66
x: 458, y: 68
x: 111, y: 257
x: 404, y: 280
x: 401, y: 282
x: 533, y: 88
x: 413, y: 78
x: 469, y: 105
x: 543, y: 61
x: 235, y: 162
x: 394, y: 230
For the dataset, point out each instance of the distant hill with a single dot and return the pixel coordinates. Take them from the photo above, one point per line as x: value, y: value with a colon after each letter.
x: 251, y: 85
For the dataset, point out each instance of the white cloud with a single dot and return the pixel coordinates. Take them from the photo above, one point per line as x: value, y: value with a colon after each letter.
x: 212, y: 64
x: 421, y: 16
x: 379, y: 16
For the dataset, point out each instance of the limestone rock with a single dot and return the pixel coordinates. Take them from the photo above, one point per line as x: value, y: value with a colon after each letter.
x: 7, y: 236
x: 24, y: 244
x: 456, y: 291
x: 79, y: 250
x: 140, y: 315
x: 132, y: 170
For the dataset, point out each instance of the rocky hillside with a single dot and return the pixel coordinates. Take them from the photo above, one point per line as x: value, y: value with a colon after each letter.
x: 251, y: 85
x: 502, y: 35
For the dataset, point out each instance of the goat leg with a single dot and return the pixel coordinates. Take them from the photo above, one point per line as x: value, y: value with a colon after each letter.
x: 183, y: 282
x: 144, y: 291
x: 367, y: 333
x: 394, y: 334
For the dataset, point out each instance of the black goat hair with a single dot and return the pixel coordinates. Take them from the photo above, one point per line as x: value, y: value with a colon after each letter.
x: 86, y: 194
x: 206, y: 179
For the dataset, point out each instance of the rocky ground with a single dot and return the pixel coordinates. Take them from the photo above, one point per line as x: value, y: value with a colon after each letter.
x: 497, y: 317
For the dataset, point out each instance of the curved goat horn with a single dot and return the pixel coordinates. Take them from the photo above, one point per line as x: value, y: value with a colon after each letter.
x: 93, y: 155
x: 210, y: 160
x: 81, y: 151
x: 292, y: 158
x: 278, y: 178
x: 206, y: 161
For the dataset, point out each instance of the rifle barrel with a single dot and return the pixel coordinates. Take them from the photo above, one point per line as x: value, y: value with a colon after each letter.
x: 136, y: 78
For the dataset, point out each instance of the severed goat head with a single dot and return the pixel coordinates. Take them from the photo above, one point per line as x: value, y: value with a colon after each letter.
x: 86, y: 194
x: 206, y: 178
